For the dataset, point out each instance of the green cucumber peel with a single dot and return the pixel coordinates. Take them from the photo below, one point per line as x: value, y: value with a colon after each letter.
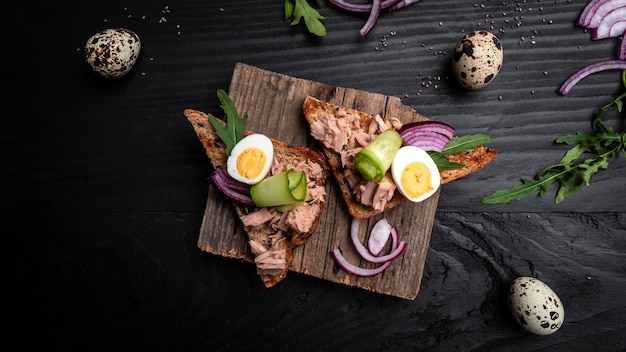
x: 374, y: 160
x: 286, y: 188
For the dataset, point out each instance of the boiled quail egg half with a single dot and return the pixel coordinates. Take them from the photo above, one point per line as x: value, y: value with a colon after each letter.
x: 250, y: 159
x: 415, y: 173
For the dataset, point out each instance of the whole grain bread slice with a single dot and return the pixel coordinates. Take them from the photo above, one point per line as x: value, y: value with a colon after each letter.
x: 315, y: 109
x: 282, y: 241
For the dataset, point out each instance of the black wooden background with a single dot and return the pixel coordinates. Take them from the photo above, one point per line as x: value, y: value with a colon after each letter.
x: 103, y: 183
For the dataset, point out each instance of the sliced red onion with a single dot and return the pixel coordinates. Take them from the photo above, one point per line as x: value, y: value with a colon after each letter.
x: 596, y: 13
x: 428, y: 135
x: 373, y: 17
x: 605, y: 18
x: 427, y: 141
x: 237, y: 192
x: 431, y: 126
x: 361, y: 8
x: 363, y: 252
x: 611, y: 25
x: 593, y: 68
x: 622, y: 47
x: 585, y: 15
x: 379, y: 236
x: 359, y: 271
x: 356, y: 270
x: 426, y: 146
x: 374, y: 9
x: 401, y: 4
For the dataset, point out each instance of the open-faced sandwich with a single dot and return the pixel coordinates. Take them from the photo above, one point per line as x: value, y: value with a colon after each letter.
x: 278, y: 190
x: 380, y: 162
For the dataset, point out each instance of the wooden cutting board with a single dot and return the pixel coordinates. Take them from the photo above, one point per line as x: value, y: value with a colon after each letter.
x: 273, y: 102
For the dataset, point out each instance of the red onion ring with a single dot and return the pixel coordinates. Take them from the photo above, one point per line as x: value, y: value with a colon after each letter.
x: 430, y: 125
x: 379, y: 236
x: 374, y: 9
x: 372, y: 18
x: 363, y: 252
x: 622, y: 47
x: 237, y: 192
x: 401, y: 4
x: 427, y: 141
x: 361, y: 8
x: 611, y: 25
x: 428, y: 135
x: 356, y: 270
x: 593, y: 68
x: 584, y: 16
x: 596, y: 14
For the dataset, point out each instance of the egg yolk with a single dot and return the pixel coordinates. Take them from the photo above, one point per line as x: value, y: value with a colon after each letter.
x: 250, y: 163
x: 416, y: 179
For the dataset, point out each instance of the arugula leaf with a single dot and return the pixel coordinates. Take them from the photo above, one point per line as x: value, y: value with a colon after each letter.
x: 444, y: 164
x: 235, y: 125
x: 458, y: 145
x: 466, y: 142
x: 571, y: 175
x: 302, y: 9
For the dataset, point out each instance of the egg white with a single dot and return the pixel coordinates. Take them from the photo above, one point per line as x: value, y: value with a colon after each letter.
x: 403, y: 158
x: 258, y: 141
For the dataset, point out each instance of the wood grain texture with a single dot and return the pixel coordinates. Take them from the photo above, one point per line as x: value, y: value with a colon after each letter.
x: 273, y: 102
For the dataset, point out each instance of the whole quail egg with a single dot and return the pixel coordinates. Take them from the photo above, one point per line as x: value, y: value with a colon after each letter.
x: 477, y: 59
x: 535, y: 306
x: 251, y: 158
x: 112, y: 52
x: 415, y: 173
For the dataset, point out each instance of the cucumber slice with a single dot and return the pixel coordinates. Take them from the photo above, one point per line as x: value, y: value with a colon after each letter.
x: 375, y: 159
x: 285, y: 188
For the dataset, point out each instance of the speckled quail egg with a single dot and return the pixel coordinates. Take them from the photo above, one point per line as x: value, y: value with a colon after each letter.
x: 415, y: 173
x: 112, y: 52
x: 477, y: 59
x: 535, y: 306
x: 250, y: 159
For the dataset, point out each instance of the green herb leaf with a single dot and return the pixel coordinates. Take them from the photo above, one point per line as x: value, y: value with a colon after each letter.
x: 527, y: 187
x: 444, y: 164
x: 458, y: 145
x: 466, y: 142
x: 302, y: 9
x: 235, y: 125
x: 572, y: 174
x: 288, y: 9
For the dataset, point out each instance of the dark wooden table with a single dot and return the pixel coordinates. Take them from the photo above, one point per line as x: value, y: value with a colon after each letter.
x: 104, y: 182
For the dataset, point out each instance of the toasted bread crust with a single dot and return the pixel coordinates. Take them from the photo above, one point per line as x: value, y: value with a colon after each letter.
x: 315, y: 109
x: 473, y: 160
x: 215, y: 150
